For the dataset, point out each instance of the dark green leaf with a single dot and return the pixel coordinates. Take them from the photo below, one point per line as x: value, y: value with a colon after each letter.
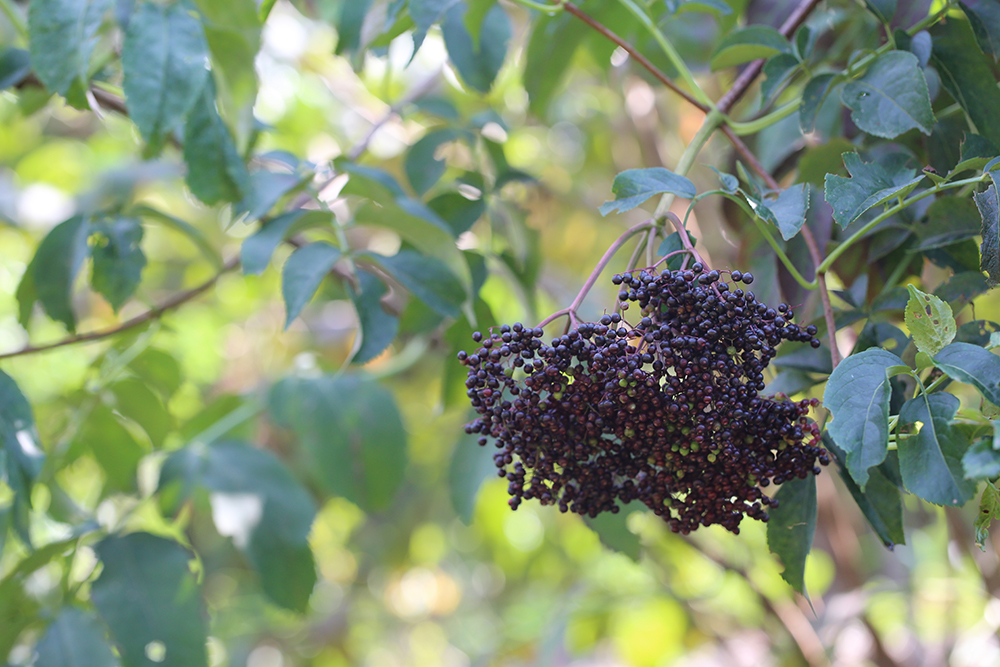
x: 475, y: 14
x: 790, y: 209
x: 352, y: 437
x: 426, y: 13
x: 891, y: 97
x: 159, y: 370
x: 50, y: 275
x: 729, y: 182
x: 880, y: 502
x: 966, y: 74
x: 423, y: 169
x: 976, y: 332
x: 376, y: 327
x: 350, y: 20
x: 471, y: 465
x: 984, y: 17
x: 266, y: 188
x: 973, y: 365
x: 857, y: 396
x: 949, y: 220
x: 551, y: 47
x: 976, y: 151
x: 74, y: 639
x: 672, y: 243
x: 777, y: 70
x: 930, y: 461
x: 982, y: 460
x: 750, y: 43
x: 612, y: 529
x: 147, y: 593
x: 118, y: 259
x: 233, y: 30
x: 813, y: 96
x: 812, y: 360
x: 215, y: 170
x: 21, y: 455
x: 62, y: 37
x: 14, y: 66
x: 477, y: 64
x: 255, y: 501
x: 989, y: 509
x: 256, y: 251
x: 791, y: 527
x: 929, y: 320
x: 715, y: 6
x: 426, y: 278
x: 634, y: 186
x: 884, y: 10
x: 871, y: 184
x: 460, y: 213
x: 302, y: 274
x: 989, y: 250
x: 163, y: 60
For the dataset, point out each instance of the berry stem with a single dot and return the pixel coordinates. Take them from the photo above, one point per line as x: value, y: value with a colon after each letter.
x: 685, y: 241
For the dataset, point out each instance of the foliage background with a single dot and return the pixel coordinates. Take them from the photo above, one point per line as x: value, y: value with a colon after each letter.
x: 421, y: 566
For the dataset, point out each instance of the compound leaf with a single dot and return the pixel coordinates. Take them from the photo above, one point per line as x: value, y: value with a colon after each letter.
x: 148, y: 595
x: 891, y: 97
x: 353, y: 440
x: 634, y: 186
x: 302, y: 274
x: 930, y: 461
x: 791, y: 528
x: 857, y: 395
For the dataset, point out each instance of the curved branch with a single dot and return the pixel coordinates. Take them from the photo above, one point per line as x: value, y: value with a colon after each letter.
x: 157, y: 312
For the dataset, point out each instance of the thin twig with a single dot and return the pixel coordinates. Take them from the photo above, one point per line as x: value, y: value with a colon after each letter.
x: 152, y: 314
x: 395, y: 109
x: 824, y: 294
x: 628, y: 48
x: 685, y: 241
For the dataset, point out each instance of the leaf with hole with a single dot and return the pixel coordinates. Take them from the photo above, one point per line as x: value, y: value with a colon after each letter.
x: 929, y: 320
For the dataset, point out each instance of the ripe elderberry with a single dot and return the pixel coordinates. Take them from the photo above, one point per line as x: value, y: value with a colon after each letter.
x: 667, y: 412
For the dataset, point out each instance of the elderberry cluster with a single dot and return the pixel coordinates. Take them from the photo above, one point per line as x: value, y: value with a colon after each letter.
x: 665, y: 411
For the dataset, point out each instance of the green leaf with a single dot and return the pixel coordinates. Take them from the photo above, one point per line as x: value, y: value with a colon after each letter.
x: 266, y: 188
x: 813, y: 96
x: 215, y: 170
x: 15, y: 64
x: 790, y: 209
x: 302, y: 274
x: 891, y: 98
x: 350, y: 19
x: 471, y: 465
x: 871, y: 184
x: 477, y: 64
x: 791, y: 527
x: 423, y: 169
x: 857, y: 396
x: 672, y: 243
x: 750, y: 43
x: 118, y: 260
x: 634, y: 186
x: 426, y: 13
x: 457, y: 211
x: 973, y: 365
x: 74, y: 639
x: 353, y: 440
x: 426, y: 278
x: 930, y: 461
x: 551, y: 46
x: 62, y: 37
x: 989, y: 250
x: 966, y: 74
x: 777, y: 70
x: 193, y: 233
x: 163, y: 61
x: 729, y: 182
x: 113, y: 447
x: 256, y: 251
x: 948, y: 220
x: 147, y: 593
x: 982, y: 460
x: 376, y: 327
x: 612, y: 529
x: 989, y: 509
x: 259, y: 504
x: 135, y: 400
x: 233, y: 29
x: 475, y: 14
x: 159, y: 370
x: 21, y: 455
x: 929, y: 320
x: 715, y: 6
x: 880, y: 502
x: 50, y: 275
x: 984, y: 17
x: 883, y: 10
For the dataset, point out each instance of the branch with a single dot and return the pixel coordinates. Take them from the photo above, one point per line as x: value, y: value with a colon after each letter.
x: 824, y: 294
x: 157, y: 312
